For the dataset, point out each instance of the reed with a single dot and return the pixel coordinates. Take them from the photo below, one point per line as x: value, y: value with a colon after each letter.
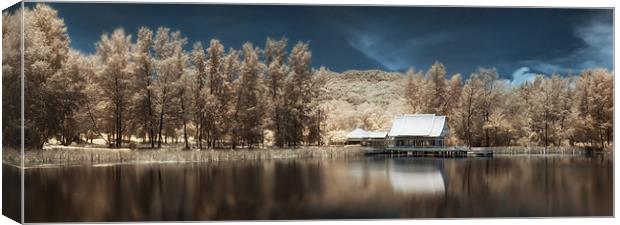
x: 59, y: 155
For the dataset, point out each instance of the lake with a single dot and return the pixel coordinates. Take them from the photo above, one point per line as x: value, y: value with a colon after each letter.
x: 353, y: 188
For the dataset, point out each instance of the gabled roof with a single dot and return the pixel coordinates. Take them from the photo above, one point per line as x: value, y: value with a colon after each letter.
x: 376, y: 134
x: 427, y: 125
x: 357, y: 133
x: 438, y: 126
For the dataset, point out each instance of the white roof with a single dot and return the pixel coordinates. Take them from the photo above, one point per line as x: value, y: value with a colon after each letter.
x: 376, y: 134
x: 438, y: 126
x: 357, y: 133
x: 418, y: 125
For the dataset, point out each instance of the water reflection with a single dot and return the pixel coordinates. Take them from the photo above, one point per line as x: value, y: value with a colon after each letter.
x: 410, y: 177
x: 11, y: 192
x: 312, y: 189
x: 246, y: 190
x: 404, y: 175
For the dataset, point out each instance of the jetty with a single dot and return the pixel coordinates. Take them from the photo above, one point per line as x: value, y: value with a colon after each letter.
x: 457, y: 151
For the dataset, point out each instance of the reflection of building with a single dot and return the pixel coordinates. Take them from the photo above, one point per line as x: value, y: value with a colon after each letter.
x: 411, y: 176
x: 418, y: 130
x: 416, y: 177
x: 366, y: 138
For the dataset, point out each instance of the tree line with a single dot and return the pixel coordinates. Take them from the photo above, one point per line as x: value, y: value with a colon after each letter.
x: 545, y: 111
x: 156, y: 88
x: 152, y: 88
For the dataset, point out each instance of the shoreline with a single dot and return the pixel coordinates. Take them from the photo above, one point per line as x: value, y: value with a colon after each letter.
x: 72, y: 156
x: 55, y: 156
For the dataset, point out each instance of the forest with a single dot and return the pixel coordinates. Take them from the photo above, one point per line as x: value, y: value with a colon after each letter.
x: 150, y: 90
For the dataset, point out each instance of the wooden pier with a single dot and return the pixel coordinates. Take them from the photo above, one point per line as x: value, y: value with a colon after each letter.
x: 430, y: 151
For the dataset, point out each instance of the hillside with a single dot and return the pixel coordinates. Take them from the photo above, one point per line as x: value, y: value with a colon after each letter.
x: 366, y: 99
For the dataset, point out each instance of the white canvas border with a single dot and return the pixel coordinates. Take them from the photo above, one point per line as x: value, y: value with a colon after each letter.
x: 468, y: 3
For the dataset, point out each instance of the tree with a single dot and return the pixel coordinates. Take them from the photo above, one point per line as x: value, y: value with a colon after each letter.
x: 317, y: 115
x: 89, y: 114
x: 545, y: 108
x: 114, y: 80
x: 248, y: 114
x: 156, y: 91
x: 430, y: 93
x: 467, y: 111
x: 170, y: 62
x: 182, y: 84
x: 297, y: 93
x: 199, y: 60
x: 184, y: 100
x: 436, y: 86
x: 226, y: 98
x: 413, y: 91
x: 11, y: 79
x: 66, y: 92
x: 452, y: 94
x: 275, y: 56
x: 478, y: 101
x: 488, y: 100
x: 215, y: 54
x: 46, y: 49
x: 594, y: 102
x: 143, y: 70
x: 565, y: 109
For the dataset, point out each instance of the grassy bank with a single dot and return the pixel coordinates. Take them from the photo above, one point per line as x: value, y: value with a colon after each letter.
x: 60, y: 155
x: 94, y: 154
x: 536, y: 150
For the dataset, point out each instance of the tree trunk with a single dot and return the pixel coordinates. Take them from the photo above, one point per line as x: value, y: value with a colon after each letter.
x: 161, y: 126
x: 200, y: 134
x: 602, y: 140
x: 119, y: 136
x: 278, y: 135
x: 150, y: 121
x: 546, y: 134
x: 185, y: 134
x: 184, y: 120
x: 318, y: 129
x: 118, y: 112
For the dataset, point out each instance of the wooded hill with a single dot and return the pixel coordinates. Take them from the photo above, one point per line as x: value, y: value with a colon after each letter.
x: 482, y: 110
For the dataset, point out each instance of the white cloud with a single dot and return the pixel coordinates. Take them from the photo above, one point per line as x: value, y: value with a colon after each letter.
x: 374, y: 47
x: 394, y: 54
x: 522, y: 75
x: 597, y: 36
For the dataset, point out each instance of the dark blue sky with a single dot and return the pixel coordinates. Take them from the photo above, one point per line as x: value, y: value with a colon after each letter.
x: 516, y: 41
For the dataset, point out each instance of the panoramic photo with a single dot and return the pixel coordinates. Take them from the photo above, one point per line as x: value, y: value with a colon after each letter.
x: 127, y: 112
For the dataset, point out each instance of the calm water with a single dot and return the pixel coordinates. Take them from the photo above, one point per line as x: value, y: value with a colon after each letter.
x: 371, y: 187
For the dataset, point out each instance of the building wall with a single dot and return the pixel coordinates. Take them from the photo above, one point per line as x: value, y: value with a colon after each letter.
x: 374, y: 142
x: 353, y: 142
x: 417, y: 142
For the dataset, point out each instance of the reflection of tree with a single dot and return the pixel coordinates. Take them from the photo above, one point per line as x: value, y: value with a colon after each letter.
x: 172, y: 192
x: 295, y: 183
x: 478, y: 187
x: 11, y: 192
x: 546, y: 186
